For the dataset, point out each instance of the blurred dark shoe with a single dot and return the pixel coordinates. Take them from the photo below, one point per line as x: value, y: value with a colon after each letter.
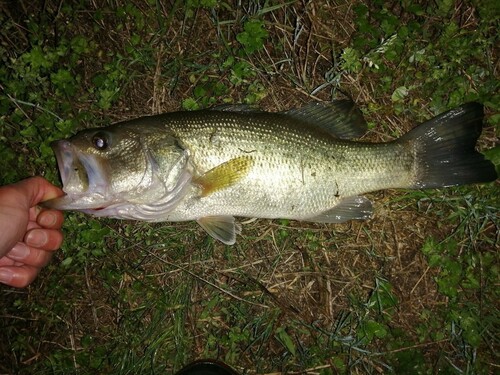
x: 207, y: 367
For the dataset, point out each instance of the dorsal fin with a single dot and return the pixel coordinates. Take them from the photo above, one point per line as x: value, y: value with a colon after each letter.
x: 341, y: 118
x: 239, y: 108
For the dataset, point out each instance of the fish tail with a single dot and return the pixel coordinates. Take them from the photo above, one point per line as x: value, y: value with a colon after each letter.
x: 445, y: 152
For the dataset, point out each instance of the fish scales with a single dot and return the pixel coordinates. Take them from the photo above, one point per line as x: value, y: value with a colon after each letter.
x: 298, y: 170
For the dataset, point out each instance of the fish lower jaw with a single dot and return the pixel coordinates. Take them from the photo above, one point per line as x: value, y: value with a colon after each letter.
x: 81, y: 201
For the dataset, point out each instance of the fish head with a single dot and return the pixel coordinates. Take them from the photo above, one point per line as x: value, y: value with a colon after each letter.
x: 115, y: 169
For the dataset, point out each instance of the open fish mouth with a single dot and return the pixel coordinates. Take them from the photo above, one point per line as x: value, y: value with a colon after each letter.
x: 65, y: 156
x: 82, y: 178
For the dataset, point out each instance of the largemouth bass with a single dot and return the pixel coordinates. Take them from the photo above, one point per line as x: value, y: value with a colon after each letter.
x: 302, y: 164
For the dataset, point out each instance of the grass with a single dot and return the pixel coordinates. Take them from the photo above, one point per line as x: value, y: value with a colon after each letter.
x: 414, y: 290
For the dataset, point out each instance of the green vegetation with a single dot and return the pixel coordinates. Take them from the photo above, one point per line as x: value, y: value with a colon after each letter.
x: 414, y: 290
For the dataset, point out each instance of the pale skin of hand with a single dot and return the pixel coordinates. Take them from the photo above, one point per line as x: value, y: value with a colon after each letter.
x: 28, y: 234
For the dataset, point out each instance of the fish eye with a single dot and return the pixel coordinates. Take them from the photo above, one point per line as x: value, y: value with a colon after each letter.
x: 100, y: 141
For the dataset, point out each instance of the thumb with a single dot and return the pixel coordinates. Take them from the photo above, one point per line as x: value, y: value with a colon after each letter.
x: 38, y: 189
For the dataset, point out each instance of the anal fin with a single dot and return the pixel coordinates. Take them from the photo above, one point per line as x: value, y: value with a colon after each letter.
x: 351, y: 208
x: 222, y: 228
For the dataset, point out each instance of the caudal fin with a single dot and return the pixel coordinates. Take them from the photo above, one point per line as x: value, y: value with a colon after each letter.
x: 445, y: 149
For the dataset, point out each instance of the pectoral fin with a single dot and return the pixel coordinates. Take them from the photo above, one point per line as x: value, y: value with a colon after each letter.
x: 224, y: 175
x: 222, y: 228
x: 351, y: 208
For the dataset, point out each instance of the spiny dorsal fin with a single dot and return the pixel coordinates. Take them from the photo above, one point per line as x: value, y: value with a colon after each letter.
x: 341, y: 118
x: 239, y: 108
x: 351, y: 208
x: 222, y: 228
x: 224, y: 175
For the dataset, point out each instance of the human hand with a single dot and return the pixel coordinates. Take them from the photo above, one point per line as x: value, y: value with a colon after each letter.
x: 28, y: 233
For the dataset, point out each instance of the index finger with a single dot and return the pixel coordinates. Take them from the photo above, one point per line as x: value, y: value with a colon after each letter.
x: 52, y: 219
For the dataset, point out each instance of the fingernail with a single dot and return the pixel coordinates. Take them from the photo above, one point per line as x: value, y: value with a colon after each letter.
x: 47, y: 219
x: 19, y: 252
x: 36, y: 238
x: 6, y: 276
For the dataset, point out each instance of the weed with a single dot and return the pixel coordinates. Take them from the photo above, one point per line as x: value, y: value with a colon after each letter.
x: 253, y: 36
